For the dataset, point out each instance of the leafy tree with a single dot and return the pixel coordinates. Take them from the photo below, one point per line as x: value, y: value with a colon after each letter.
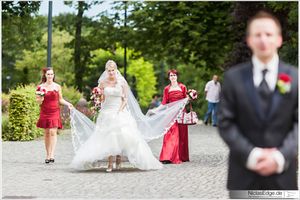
x: 21, y: 28
x: 286, y: 13
x: 141, y: 75
x: 31, y: 61
x: 181, y: 32
x: 20, y: 8
x: 79, y: 63
x: 79, y: 69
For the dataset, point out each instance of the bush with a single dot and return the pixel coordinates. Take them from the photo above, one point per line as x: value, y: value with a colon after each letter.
x: 72, y: 95
x: 23, y: 114
x: 5, y: 102
x: 4, y: 123
x: 196, y: 78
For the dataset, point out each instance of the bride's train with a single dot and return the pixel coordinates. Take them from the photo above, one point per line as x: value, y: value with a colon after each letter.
x: 116, y: 134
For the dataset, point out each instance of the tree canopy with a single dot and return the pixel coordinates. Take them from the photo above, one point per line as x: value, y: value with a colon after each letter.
x: 197, y: 38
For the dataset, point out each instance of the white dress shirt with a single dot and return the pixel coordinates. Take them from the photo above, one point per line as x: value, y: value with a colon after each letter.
x: 213, y: 91
x: 271, y: 79
x: 271, y: 75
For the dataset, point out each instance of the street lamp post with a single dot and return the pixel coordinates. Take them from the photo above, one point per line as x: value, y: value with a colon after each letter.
x: 49, y: 34
x: 125, y: 45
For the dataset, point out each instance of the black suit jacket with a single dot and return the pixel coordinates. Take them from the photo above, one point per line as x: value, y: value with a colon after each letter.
x: 243, y: 126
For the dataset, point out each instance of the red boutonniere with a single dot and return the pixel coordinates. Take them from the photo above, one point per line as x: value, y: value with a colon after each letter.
x: 284, y: 83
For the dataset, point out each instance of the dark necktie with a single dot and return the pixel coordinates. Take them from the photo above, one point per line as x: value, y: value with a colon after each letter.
x: 264, y: 93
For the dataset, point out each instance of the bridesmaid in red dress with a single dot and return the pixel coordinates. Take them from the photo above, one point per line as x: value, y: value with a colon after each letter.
x: 175, y: 144
x: 49, y: 96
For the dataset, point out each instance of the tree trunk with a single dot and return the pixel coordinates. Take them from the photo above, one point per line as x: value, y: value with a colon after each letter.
x: 79, y: 68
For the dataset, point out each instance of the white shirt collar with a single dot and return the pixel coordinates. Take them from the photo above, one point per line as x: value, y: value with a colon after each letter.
x: 271, y: 66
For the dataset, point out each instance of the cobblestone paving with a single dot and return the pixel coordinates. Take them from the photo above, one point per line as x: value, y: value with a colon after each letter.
x: 25, y: 176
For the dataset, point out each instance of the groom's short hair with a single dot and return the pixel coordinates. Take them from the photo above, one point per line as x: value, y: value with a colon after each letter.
x: 262, y: 14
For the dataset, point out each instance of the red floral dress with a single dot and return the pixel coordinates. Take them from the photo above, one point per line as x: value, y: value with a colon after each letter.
x: 49, y: 110
x: 175, y: 144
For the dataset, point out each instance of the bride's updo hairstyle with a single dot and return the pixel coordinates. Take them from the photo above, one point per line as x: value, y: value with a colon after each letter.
x: 111, y: 63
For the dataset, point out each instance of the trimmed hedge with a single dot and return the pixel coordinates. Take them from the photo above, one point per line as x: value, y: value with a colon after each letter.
x: 4, y: 123
x: 5, y: 102
x: 23, y: 114
x: 72, y: 95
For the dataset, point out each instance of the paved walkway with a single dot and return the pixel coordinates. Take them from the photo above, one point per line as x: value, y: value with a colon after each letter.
x: 25, y: 176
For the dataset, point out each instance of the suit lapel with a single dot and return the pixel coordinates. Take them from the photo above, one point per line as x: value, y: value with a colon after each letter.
x: 251, y: 90
x: 276, y: 95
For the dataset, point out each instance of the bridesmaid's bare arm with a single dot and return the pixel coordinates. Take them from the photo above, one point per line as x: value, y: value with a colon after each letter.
x: 61, y: 99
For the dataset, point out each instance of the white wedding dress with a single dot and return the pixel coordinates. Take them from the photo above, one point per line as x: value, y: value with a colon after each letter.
x: 115, y: 133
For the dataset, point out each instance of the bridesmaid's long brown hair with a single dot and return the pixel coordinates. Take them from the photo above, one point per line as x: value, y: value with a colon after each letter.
x: 44, y: 71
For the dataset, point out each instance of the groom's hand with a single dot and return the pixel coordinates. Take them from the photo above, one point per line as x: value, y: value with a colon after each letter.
x: 266, y: 164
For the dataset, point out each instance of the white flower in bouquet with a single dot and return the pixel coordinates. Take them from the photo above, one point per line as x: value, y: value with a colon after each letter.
x: 41, y: 92
x: 193, y: 94
x: 96, y: 97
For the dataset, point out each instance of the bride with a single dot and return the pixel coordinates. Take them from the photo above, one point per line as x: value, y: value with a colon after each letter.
x: 121, y: 128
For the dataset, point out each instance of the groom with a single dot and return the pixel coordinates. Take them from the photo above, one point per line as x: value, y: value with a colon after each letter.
x: 258, y: 115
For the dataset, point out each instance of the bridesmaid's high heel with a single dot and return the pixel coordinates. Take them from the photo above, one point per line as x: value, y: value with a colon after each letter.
x: 47, y: 161
x: 51, y: 160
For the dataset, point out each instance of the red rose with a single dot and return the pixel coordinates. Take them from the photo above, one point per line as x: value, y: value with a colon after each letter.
x: 285, y: 78
x: 96, y: 90
x: 38, y: 88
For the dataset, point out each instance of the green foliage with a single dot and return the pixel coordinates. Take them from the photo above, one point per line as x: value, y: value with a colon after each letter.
x: 23, y: 115
x: 5, y: 129
x: 184, y: 35
x: 71, y: 94
x: 140, y: 73
x: 95, y: 67
x: 21, y: 8
x: 20, y: 29
x: 181, y: 32
x: 196, y: 78
x: 32, y: 61
x: 5, y: 103
x: 18, y: 34
x: 286, y: 12
x: 145, y: 80
x: 289, y: 50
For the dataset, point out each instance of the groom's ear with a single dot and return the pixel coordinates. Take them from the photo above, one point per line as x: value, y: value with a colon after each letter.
x: 279, y: 41
x: 248, y: 41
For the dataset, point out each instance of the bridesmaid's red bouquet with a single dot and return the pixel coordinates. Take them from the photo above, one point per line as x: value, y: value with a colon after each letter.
x: 39, y: 91
x: 193, y: 94
x: 96, y: 97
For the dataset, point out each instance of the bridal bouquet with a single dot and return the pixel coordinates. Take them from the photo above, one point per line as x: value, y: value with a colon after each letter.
x: 193, y: 94
x: 96, y: 97
x: 41, y: 92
